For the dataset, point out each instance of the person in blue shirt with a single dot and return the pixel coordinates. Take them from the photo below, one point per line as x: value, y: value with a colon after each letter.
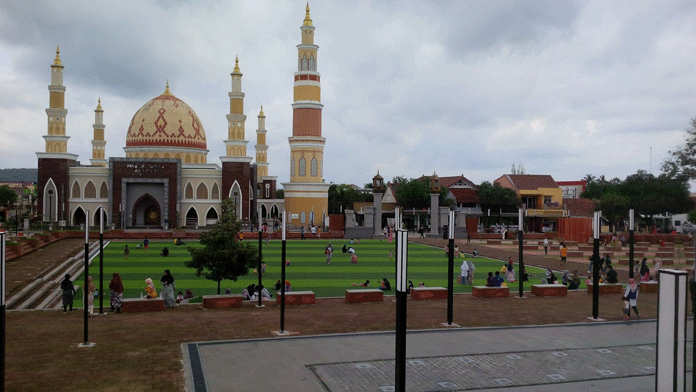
x: 497, y: 279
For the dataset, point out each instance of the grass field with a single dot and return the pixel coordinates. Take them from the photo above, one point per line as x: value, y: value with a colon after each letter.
x: 307, y: 270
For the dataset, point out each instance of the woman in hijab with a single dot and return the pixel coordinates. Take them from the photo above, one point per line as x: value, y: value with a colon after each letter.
x: 631, y: 295
x: 116, y: 289
x: 150, y: 289
x: 168, y: 289
x: 564, y: 278
x: 550, y: 277
x: 68, y: 292
x: 644, y: 269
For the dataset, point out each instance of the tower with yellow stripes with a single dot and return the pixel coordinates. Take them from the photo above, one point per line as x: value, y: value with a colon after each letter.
x: 98, y: 143
x: 306, y: 195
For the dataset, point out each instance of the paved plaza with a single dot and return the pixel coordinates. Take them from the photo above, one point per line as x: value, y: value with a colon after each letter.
x: 602, y: 356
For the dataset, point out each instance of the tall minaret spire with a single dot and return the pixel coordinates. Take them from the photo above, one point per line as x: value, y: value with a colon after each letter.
x: 306, y: 194
x: 236, y: 143
x: 56, y: 141
x: 98, y: 143
x: 261, y: 148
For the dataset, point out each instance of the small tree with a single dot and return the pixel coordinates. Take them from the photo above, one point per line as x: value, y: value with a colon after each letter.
x: 224, y: 256
x: 7, y: 198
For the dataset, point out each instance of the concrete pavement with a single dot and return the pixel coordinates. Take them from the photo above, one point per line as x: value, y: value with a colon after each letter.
x: 593, y: 356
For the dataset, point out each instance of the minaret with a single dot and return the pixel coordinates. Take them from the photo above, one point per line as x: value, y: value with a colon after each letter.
x: 55, y: 163
x: 56, y: 141
x: 98, y: 142
x: 236, y: 144
x: 261, y: 148
x: 306, y: 194
x: 238, y: 178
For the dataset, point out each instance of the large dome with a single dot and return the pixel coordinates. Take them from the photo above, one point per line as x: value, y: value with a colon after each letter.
x: 165, y: 124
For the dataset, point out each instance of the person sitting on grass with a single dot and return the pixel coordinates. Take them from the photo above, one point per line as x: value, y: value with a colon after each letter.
x: 150, y: 289
x: 188, y: 294
x: 475, y: 253
x: 364, y: 284
x: 353, y: 258
x: 288, y: 287
x: 550, y: 277
x: 421, y: 284
x: 178, y: 241
x: 497, y: 280
x: 165, y: 252
x: 574, y: 282
x: 385, y: 285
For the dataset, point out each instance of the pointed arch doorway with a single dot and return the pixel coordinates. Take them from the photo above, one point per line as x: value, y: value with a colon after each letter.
x: 147, y: 212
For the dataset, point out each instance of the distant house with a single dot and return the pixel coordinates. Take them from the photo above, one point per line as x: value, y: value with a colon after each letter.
x: 464, y: 192
x: 541, y: 197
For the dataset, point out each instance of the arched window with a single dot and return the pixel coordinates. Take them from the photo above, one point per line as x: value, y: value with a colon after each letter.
x: 215, y: 194
x: 201, y: 192
x: 188, y: 193
x: 292, y: 167
x: 314, y: 167
x: 268, y: 191
x: 303, y: 168
x: 104, y: 191
x: 305, y: 65
x: 312, y: 63
x: 90, y: 191
x: 76, y: 191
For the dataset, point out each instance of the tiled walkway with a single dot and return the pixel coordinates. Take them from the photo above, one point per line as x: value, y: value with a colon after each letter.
x: 610, y: 356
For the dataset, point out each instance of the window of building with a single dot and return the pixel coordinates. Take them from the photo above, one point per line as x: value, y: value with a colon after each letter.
x: 268, y: 190
x: 547, y: 199
x: 314, y: 167
x: 292, y: 167
x: 303, y: 168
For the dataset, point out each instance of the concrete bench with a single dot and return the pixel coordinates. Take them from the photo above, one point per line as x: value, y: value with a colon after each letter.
x: 135, y: 305
x: 607, y: 288
x: 641, y: 248
x: 493, y: 242
x: 549, y: 290
x: 575, y: 253
x: 364, y: 295
x: 636, y: 260
x: 570, y: 244
x: 490, y: 292
x: 643, y: 244
x: 648, y: 287
x: 542, y: 243
x: 664, y: 254
x: 297, y: 298
x: 421, y: 293
x: 222, y: 301
x: 667, y: 261
x: 637, y: 255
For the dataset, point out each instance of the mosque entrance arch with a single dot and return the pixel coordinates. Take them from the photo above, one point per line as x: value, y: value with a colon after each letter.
x: 274, y: 211
x: 79, y: 217
x: 147, y: 212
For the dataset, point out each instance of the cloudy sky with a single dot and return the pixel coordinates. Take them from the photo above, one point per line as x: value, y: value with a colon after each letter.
x: 409, y: 87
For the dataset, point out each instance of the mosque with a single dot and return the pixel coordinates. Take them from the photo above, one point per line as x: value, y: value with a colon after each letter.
x: 165, y: 180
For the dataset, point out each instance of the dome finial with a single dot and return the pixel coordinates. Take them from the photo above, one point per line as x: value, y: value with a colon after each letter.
x: 236, y: 65
x: 307, y: 18
x: 166, y: 89
x: 261, y: 112
x: 57, y: 60
x: 99, y: 108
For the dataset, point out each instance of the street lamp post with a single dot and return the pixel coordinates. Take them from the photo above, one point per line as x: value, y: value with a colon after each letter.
x: 520, y: 265
x: 450, y: 268
x: 631, y: 242
x: 595, y: 265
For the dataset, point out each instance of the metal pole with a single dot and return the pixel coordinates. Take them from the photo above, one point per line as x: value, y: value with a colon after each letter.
x: 260, y: 259
x: 520, y: 253
x: 631, y: 242
x: 282, y: 278
x: 401, y: 317
x: 693, y: 327
x: 85, y: 288
x: 595, y: 267
x: 450, y: 268
x: 2, y: 305
x: 101, y: 260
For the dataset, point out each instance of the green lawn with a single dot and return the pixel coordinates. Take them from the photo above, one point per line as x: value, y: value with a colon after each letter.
x: 307, y: 270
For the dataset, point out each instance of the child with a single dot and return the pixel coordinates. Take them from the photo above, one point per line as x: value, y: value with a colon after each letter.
x: 179, y: 297
x: 391, y: 254
x: 353, y: 258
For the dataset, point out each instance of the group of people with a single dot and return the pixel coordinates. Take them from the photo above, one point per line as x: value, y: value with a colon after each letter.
x: 68, y: 290
x: 384, y: 284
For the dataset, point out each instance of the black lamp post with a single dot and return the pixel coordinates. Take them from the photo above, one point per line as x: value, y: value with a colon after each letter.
x: 595, y: 265
x: 520, y: 266
x: 450, y: 268
x: 631, y: 242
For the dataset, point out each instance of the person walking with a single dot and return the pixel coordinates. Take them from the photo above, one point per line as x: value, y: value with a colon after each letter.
x: 68, y: 293
x: 631, y: 295
x: 146, y: 243
x: 546, y: 246
x: 329, y: 252
x: 302, y: 230
x: 116, y: 289
x: 126, y: 252
x: 168, y: 289
x: 464, y: 273
x: 564, y: 254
